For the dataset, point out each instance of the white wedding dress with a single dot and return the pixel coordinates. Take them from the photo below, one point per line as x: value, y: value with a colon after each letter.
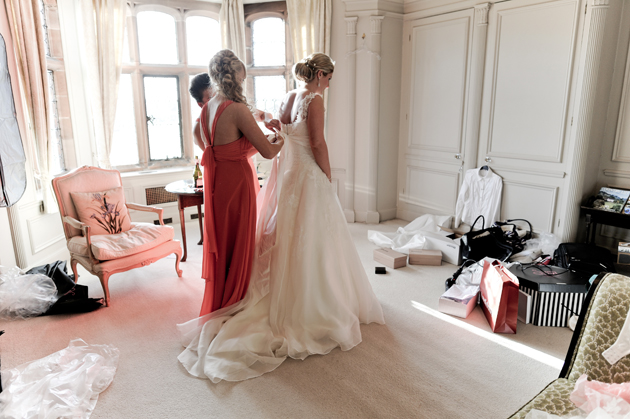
x: 308, y: 292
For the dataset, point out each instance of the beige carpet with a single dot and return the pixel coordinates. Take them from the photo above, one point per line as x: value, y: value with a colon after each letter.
x: 422, y: 364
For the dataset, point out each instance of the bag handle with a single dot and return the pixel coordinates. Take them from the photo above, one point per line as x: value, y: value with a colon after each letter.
x: 528, y: 235
x: 483, y: 223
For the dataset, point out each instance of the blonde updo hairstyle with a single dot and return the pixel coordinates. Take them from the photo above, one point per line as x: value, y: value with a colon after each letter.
x: 223, y: 68
x: 306, y: 70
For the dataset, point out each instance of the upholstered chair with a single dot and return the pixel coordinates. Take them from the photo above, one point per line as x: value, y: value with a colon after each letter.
x: 115, y: 251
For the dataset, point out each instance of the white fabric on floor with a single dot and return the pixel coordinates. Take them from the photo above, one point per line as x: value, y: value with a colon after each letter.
x: 410, y: 236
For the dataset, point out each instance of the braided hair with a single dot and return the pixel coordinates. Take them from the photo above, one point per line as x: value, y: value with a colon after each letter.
x: 223, y: 70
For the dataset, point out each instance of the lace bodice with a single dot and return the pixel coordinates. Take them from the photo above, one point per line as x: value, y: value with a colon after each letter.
x: 298, y: 126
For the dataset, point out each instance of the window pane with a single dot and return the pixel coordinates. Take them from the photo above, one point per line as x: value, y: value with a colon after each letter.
x: 56, y: 149
x: 125, y: 142
x: 269, y: 92
x: 157, y: 38
x: 161, y: 97
x: 268, y: 39
x: 126, y: 56
x: 195, y: 111
x: 203, y: 39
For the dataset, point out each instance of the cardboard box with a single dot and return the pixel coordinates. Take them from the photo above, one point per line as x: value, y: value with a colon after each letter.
x: 425, y: 257
x: 445, y: 242
x: 390, y: 258
x: 457, y: 308
x: 623, y: 255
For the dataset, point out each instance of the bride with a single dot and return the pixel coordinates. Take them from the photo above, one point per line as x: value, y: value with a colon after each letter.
x: 308, y: 291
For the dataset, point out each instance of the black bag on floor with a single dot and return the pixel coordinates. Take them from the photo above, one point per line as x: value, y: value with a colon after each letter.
x: 73, y: 298
x: 584, y: 258
x: 487, y: 242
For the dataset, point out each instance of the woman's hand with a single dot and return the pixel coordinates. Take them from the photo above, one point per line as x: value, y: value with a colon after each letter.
x: 273, y: 125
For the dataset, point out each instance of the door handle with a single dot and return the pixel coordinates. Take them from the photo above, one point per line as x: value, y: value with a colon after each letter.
x: 458, y: 156
x: 488, y: 159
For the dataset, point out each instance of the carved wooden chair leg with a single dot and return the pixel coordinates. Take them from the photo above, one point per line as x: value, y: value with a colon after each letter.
x: 73, y: 265
x: 178, y: 257
x: 105, y: 284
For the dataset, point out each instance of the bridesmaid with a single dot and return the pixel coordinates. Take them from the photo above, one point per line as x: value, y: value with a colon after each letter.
x: 231, y: 137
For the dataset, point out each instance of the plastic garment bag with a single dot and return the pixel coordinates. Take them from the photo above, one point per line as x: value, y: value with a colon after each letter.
x: 65, y: 384
x: 23, y: 296
x: 12, y: 158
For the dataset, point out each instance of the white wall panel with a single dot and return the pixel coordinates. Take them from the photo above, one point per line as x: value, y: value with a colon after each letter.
x: 432, y: 188
x: 532, y: 74
x: 438, y: 84
x: 536, y: 203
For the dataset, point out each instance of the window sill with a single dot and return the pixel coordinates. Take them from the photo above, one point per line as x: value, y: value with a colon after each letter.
x: 153, y: 172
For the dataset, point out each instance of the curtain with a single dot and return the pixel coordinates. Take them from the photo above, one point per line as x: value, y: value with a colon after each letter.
x: 104, y: 30
x: 309, y: 25
x: 28, y: 37
x: 232, y: 21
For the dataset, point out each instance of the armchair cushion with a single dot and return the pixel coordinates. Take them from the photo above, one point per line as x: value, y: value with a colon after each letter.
x: 139, y: 238
x: 105, y: 212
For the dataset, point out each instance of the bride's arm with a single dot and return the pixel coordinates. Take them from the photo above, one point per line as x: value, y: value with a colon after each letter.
x: 315, y: 124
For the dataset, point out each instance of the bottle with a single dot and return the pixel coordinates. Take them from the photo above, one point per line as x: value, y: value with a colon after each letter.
x: 197, y: 178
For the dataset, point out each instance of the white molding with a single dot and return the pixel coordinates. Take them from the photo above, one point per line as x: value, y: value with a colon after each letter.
x: 553, y: 204
x: 424, y: 204
x: 407, y: 197
x: 617, y: 173
x: 537, y: 172
x: 418, y: 158
x: 356, y: 7
x: 351, y: 25
x: 349, y: 215
x: 589, y: 63
x: 34, y: 232
x: 388, y: 214
x: 376, y: 25
x: 625, y: 95
x: 481, y: 14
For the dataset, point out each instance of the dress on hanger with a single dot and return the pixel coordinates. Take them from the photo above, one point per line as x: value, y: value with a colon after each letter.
x: 230, y: 188
x: 309, y: 291
x: 480, y: 194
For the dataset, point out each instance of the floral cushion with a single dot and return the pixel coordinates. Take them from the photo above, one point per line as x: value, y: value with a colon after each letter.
x: 604, y: 319
x: 105, y: 212
x: 553, y: 399
x: 139, y: 238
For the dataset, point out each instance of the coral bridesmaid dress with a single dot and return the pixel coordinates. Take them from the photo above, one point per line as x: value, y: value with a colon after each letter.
x: 230, y: 189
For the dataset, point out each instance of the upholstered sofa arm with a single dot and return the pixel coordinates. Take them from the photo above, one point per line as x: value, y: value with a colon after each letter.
x: 146, y: 208
x: 85, y: 229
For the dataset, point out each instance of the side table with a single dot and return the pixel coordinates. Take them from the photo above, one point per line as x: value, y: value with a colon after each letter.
x: 187, y: 196
x: 596, y: 216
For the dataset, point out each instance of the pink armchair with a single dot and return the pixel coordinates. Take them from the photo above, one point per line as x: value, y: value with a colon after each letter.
x: 105, y: 255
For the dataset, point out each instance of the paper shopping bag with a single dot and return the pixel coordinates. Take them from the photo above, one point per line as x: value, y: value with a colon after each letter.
x: 499, y: 297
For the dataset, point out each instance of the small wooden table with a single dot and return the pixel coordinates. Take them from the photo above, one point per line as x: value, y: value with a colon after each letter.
x: 187, y: 196
x: 596, y: 216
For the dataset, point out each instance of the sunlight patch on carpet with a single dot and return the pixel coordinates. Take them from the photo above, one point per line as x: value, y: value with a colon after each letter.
x: 535, y: 354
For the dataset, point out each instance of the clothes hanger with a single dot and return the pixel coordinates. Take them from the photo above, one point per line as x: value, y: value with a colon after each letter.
x: 363, y: 48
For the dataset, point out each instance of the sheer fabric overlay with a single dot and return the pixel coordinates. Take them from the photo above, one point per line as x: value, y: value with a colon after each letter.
x: 308, y: 291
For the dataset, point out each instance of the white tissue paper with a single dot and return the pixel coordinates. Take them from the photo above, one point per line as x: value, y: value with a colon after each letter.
x: 65, y: 384
x: 410, y: 236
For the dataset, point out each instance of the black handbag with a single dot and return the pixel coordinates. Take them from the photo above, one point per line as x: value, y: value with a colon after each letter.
x: 511, y: 237
x: 487, y: 242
